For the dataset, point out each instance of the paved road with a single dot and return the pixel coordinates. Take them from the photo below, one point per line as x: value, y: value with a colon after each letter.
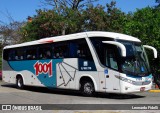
x: 37, y: 95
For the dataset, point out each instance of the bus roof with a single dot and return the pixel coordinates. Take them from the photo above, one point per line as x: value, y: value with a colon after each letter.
x: 77, y: 36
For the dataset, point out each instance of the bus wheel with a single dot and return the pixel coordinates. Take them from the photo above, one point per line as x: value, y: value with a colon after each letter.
x: 87, y: 88
x: 19, y: 83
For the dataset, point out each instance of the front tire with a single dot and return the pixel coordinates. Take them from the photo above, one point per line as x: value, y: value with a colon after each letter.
x: 87, y: 88
x: 19, y: 83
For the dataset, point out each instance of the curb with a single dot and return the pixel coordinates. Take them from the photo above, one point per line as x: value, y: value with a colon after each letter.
x: 155, y: 91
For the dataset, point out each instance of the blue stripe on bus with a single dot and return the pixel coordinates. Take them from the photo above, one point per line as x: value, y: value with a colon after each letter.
x: 132, y: 76
x: 29, y: 66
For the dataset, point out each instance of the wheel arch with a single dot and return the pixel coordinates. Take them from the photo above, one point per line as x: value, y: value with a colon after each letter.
x: 20, y: 75
x: 88, y: 77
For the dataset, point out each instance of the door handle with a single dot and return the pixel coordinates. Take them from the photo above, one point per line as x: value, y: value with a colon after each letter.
x: 107, y: 76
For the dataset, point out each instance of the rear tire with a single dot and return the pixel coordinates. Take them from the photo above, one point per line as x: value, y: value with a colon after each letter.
x: 87, y: 88
x: 19, y: 83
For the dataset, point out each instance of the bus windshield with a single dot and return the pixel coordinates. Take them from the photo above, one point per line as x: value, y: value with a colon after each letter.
x: 136, y: 61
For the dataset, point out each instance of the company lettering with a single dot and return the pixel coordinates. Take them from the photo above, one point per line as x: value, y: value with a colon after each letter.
x: 43, y: 68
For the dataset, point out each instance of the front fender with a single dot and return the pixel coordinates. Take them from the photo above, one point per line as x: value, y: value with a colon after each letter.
x: 94, y: 82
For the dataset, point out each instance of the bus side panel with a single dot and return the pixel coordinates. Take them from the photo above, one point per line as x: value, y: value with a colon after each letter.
x: 102, y: 87
x: 37, y: 72
x: 7, y: 77
x: 29, y: 78
x: 7, y: 73
x: 12, y: 68
x: 67, y: 73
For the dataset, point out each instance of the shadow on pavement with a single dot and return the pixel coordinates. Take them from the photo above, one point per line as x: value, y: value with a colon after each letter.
x: 75, y: 92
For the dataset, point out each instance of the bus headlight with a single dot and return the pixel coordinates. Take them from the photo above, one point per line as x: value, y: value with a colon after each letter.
x: 137, y: 83
x: 126, y: 80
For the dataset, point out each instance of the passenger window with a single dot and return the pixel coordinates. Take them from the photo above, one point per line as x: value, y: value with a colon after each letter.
x: 60, y: 50
x: 19, y: 54
x: 79, y: 49
x: 6, y: 54
x: 81, y: 53
x: 31, y: 54
x: 84, y: 51
x: 45, y: 52
x: 14, y: 54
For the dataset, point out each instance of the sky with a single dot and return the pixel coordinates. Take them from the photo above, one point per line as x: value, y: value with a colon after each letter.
x: 19, y: 10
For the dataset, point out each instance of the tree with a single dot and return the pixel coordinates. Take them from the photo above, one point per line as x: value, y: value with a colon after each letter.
x: 10, y: 32
x: 49, y: 23
x: 43, y: 24
x: 94, y: 18
x: 61, y: 5
x: 66, y: 7
x: 145, y: 25
x: 104, y: 18
x: 116, y: 18
x: 65, y: 18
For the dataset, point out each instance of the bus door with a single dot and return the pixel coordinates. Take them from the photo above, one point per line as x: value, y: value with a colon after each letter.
x: 111, y: 72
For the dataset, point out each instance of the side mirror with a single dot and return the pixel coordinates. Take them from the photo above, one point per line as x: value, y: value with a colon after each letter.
x: 120, y: 45
x: 152, y: 48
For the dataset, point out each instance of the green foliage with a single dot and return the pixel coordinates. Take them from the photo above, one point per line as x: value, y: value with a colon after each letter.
x: 94, y: 18
x: 101, y: 18
x: 44, y: 24
x: 49, y: 23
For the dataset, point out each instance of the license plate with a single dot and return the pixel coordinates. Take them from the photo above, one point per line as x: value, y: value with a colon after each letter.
x: 142, y: 89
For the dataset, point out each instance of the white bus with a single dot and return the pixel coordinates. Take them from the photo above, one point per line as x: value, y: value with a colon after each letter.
x: 89, y: 61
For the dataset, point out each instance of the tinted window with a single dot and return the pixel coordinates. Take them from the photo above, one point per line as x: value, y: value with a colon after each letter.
x: 45, y: 52
x: 60, y: 50
x: 19, y: 54
x: 107, y: 53
x: 31, y: 53
x: 14, y: 54
x: 6, y: 54
x: 79, y: 49
x: 110, y: 59
x: 99, y: 46
x: 67, y: 49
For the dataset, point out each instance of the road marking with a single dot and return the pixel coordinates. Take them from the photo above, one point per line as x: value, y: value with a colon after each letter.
x: 98, y: 111
x: 154, y: 91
